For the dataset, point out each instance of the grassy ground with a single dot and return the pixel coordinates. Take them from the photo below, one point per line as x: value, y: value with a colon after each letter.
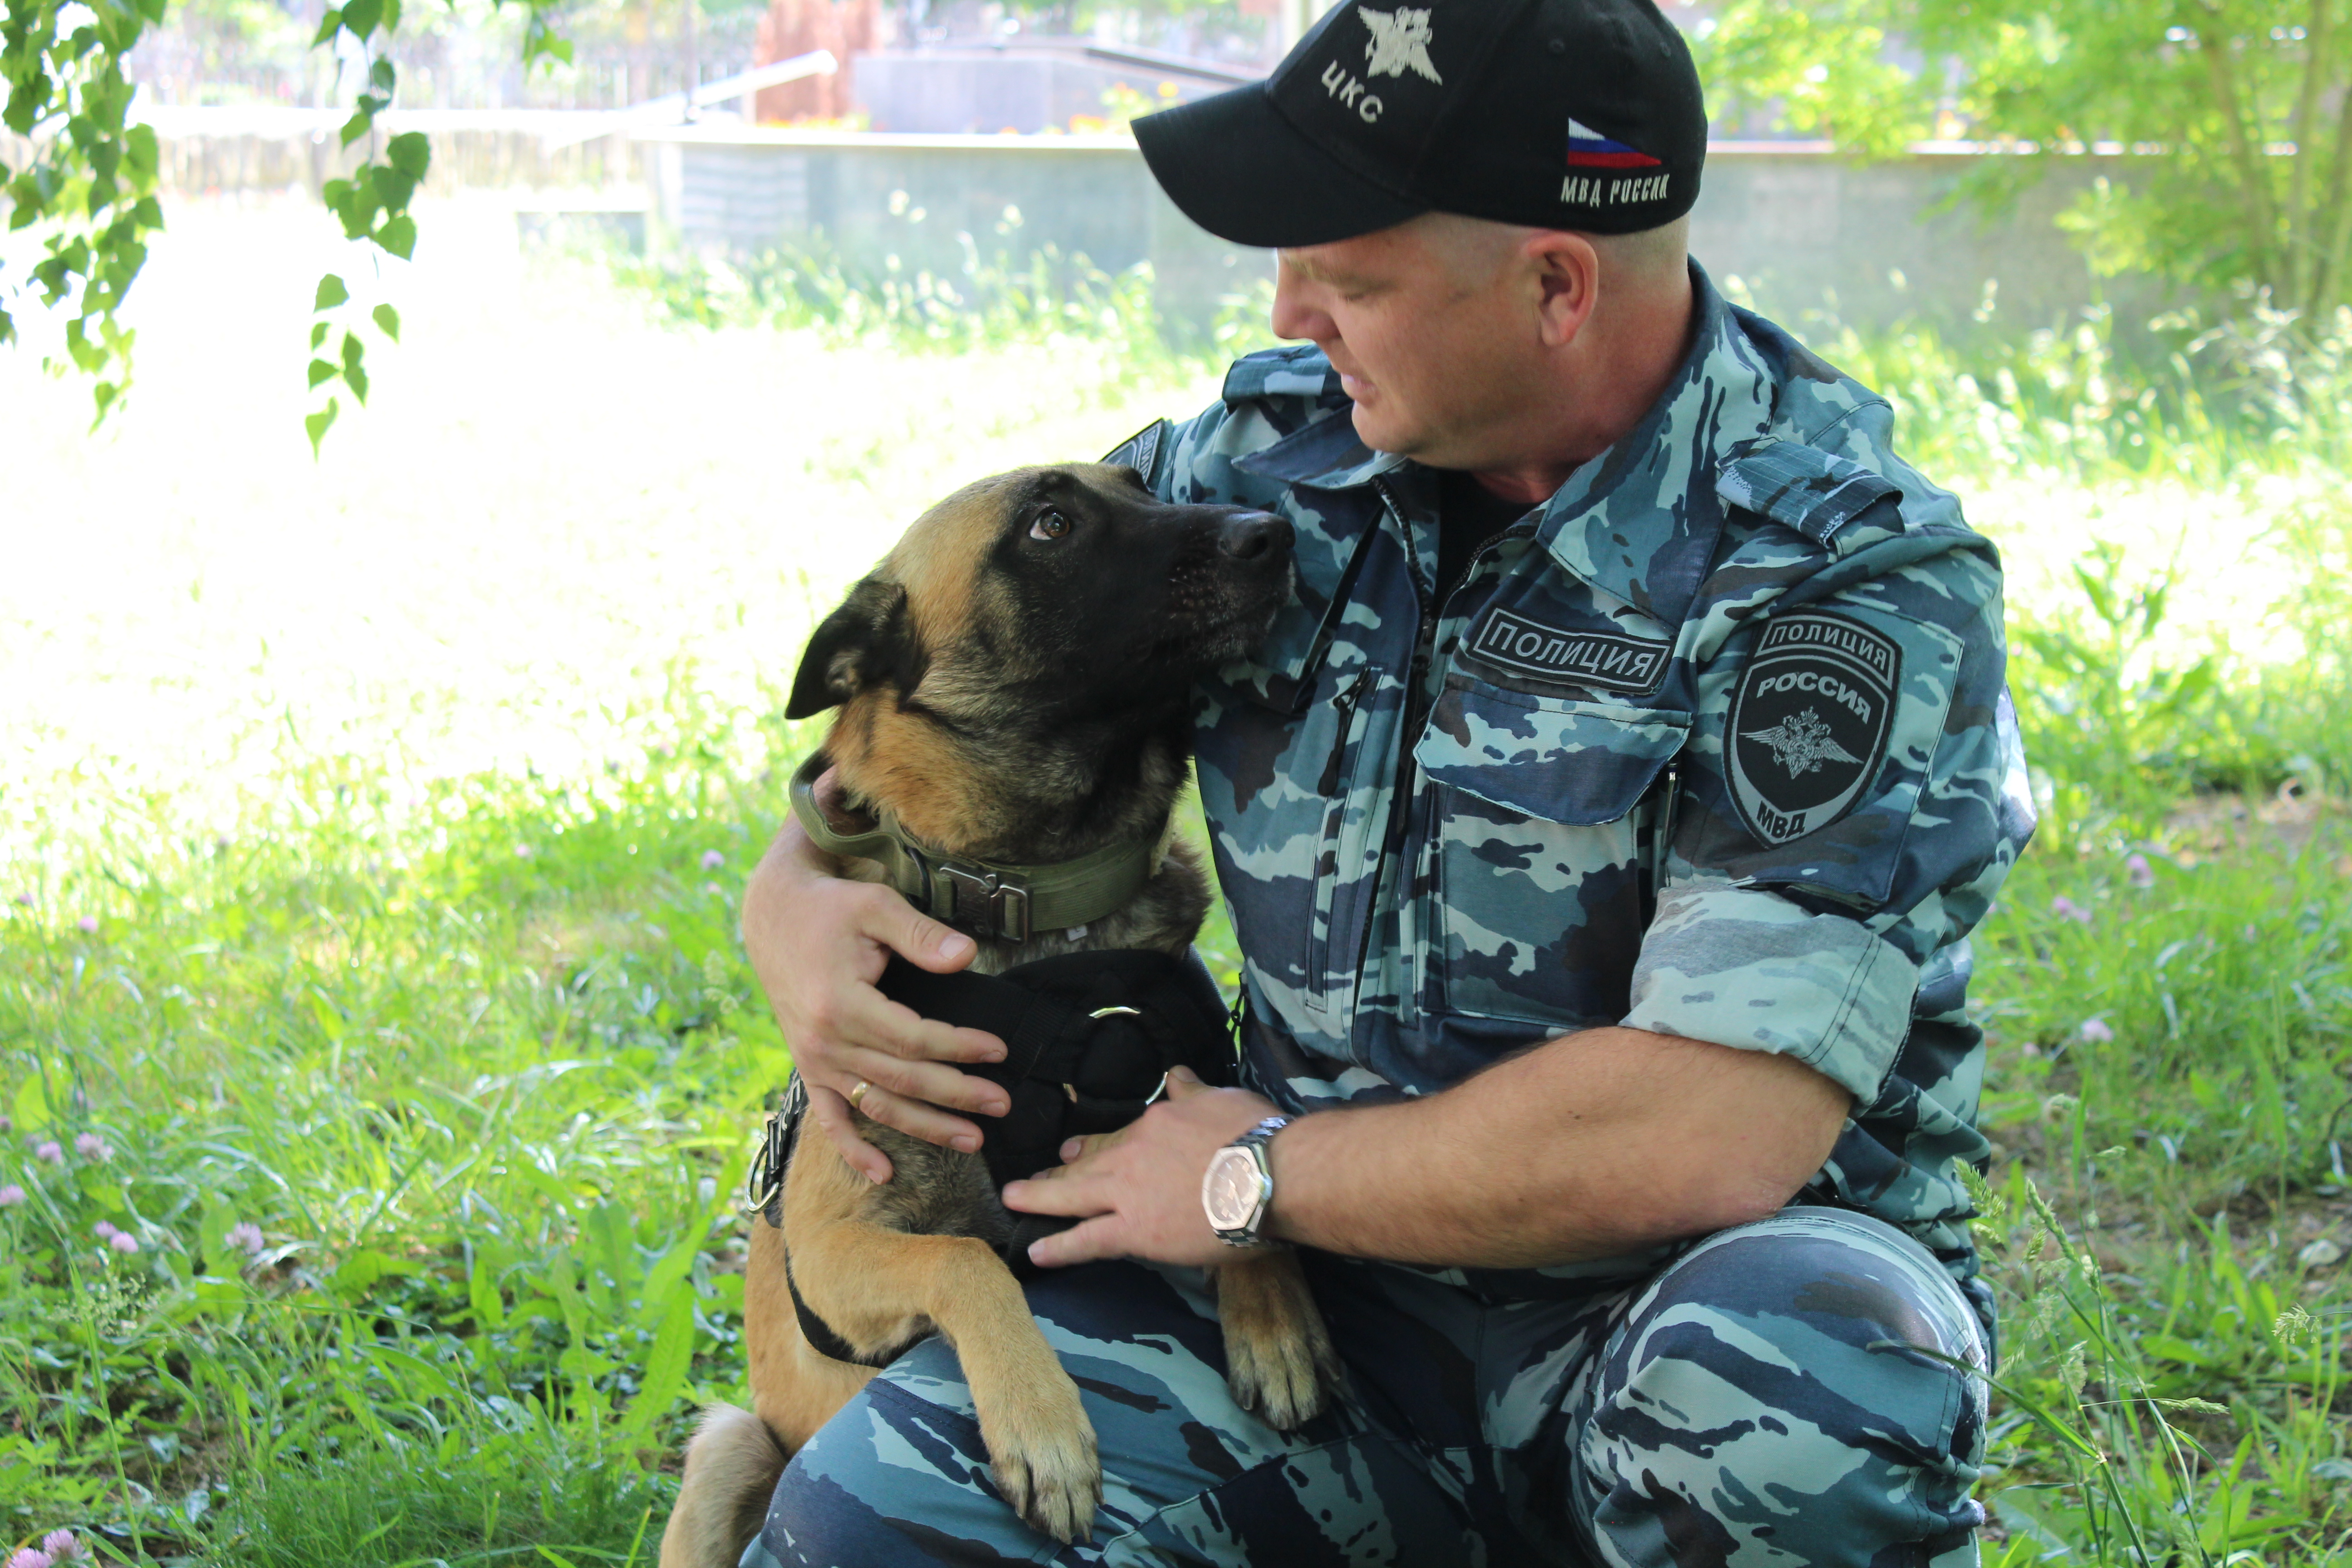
x: 378, y: 1061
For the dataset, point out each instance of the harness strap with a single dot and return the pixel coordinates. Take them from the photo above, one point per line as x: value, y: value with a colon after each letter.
x: 1088, y: 1040
x: 766, y: 1183
x: 996, y: 901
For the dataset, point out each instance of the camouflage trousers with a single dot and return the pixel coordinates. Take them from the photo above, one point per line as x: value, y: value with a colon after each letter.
x: 1760, y: 1399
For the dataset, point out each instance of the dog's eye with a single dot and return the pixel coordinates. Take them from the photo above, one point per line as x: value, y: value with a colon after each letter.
x: 1049, y: 526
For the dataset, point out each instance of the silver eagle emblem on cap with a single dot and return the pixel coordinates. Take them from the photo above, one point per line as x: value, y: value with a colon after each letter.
x: 1400, y: 42
x: 1801, y: 742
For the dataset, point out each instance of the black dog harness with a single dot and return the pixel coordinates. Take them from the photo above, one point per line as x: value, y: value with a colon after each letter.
x: 1090, y: 1038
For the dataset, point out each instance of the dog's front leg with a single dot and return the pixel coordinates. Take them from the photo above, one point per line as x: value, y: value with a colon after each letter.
x: 1279, y: 1361
x: 878, y: 1288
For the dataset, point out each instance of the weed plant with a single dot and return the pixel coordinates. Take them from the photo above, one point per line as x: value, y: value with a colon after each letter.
x: 368, y: 1170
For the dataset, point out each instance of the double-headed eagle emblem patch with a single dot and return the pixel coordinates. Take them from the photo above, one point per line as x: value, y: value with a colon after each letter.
x: 1810, y: 722
x: 1400, y: 42
x: 1801, y: 742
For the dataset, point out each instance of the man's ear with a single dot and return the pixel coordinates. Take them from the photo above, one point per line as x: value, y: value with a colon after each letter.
x: 1568, y: 284
x: 869, y: 642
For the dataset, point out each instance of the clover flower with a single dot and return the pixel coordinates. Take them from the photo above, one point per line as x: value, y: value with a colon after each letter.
x: 2067, y: 909
x: 31, y: 1557
x: 49, y: 1151
x: 90, y: 1146
x: 88, y: 924
x: 63, y: 1546
x: 105, y: 1230
x: 2096, y: 1031
x: 246, y: 1236
x: 11, y: 1196
x: 712, y: 860
x: 2141, y: 873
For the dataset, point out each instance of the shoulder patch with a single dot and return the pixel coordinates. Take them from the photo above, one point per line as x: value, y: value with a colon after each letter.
x: 1802, y: 487
x: 1141, y: 451
x: 1809, y: 726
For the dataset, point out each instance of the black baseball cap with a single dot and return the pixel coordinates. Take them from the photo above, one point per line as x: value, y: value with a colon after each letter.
x: 1580, y: 114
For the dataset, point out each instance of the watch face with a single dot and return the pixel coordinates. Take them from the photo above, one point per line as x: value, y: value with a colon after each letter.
x: 1230, y: 1192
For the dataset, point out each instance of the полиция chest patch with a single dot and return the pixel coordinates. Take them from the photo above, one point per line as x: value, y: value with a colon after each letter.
x: 1809, y: 726
x: 1597, y: 660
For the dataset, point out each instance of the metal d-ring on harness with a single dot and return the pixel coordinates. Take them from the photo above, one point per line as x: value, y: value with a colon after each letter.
x: 1089, y: 1040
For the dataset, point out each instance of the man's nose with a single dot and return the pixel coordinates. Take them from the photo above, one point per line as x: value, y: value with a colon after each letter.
x: 1295, y: 315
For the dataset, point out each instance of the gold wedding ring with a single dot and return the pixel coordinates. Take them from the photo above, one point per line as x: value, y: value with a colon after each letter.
x: 859, y: 1094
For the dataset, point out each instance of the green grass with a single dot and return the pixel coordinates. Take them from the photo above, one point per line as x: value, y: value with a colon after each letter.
x: 421, y: 1070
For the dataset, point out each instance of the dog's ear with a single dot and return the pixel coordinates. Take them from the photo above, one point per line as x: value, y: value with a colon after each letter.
x: 869, y: 641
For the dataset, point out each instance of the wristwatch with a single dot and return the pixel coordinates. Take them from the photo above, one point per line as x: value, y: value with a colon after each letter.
x: 1239, y: 1185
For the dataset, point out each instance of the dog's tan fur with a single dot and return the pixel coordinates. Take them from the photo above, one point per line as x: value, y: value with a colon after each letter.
x: 882, y: 1266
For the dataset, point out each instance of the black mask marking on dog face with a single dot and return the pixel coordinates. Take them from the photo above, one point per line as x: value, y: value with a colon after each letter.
x: 1074, y: 587
x: 1108, y: 594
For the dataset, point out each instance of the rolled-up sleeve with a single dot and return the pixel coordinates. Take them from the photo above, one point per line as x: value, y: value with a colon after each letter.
x: 1747, y: 967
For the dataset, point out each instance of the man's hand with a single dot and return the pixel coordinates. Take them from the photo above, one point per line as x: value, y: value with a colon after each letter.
x: 1137, y: 1191
x: 818, y: 944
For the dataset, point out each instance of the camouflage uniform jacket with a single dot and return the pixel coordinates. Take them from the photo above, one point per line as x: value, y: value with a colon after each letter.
x: 1715, y: 744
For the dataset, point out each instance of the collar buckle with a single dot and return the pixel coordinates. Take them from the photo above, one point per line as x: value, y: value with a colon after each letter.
x: 981, y: 902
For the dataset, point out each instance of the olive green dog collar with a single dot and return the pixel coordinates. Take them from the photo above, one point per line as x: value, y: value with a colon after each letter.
x: 995, y: 903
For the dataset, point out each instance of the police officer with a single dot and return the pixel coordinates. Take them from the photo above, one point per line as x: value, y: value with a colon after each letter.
x: 1602, y: 826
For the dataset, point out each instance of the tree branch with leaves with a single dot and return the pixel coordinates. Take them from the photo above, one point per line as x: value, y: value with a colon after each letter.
x: 2237, y: 115
x: 87, y: 187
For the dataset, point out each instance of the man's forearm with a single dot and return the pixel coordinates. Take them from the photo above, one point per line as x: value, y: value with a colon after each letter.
x: 1592, y: 1145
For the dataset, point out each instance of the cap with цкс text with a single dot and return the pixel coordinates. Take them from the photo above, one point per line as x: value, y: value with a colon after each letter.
x: 1579, y: 114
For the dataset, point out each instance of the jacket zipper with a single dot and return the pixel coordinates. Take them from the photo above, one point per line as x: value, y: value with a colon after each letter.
x: 1344, y: 705
x: 1412, y: 711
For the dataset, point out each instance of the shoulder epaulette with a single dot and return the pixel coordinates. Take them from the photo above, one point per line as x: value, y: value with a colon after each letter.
x: 1300, y: 372
x: 1802, y: 487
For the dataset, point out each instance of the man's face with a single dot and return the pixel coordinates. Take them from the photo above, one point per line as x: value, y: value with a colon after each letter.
x: 1436, y: 351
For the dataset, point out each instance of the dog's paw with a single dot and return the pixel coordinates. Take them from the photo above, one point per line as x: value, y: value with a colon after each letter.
x: 1041, y: 1448
x: 1279, y: 1360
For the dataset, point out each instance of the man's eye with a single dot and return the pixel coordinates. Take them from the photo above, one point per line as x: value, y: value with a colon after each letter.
x: 1050, y: 525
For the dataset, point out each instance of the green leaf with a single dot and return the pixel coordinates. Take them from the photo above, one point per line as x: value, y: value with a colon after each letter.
x: 317, y: 334
x: 331, y: 294
x: 328, y: 24
x: 361, y: 16
x: 362, y: 121
x: 398, y: 236
x: 382, y: 77
x: 322, y: 370
x: 317, y: 423
x: 666, y: 1370
x: 357, y: 380
x: 411, y: 153
x: 353, y: 351
x: 387, y: 320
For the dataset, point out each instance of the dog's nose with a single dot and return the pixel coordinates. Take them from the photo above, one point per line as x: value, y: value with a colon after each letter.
x: 1250, y: 535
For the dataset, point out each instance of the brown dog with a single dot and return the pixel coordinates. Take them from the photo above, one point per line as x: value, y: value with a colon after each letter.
x: 1013, y: 686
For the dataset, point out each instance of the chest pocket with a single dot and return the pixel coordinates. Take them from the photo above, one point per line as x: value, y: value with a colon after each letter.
x: 1540, y: 816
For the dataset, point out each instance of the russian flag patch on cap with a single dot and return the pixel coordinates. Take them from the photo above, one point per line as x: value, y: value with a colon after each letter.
x: 1588, y: 149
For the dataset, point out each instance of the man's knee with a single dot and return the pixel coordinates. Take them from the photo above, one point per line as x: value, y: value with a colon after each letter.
x: 1791, y: 1385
